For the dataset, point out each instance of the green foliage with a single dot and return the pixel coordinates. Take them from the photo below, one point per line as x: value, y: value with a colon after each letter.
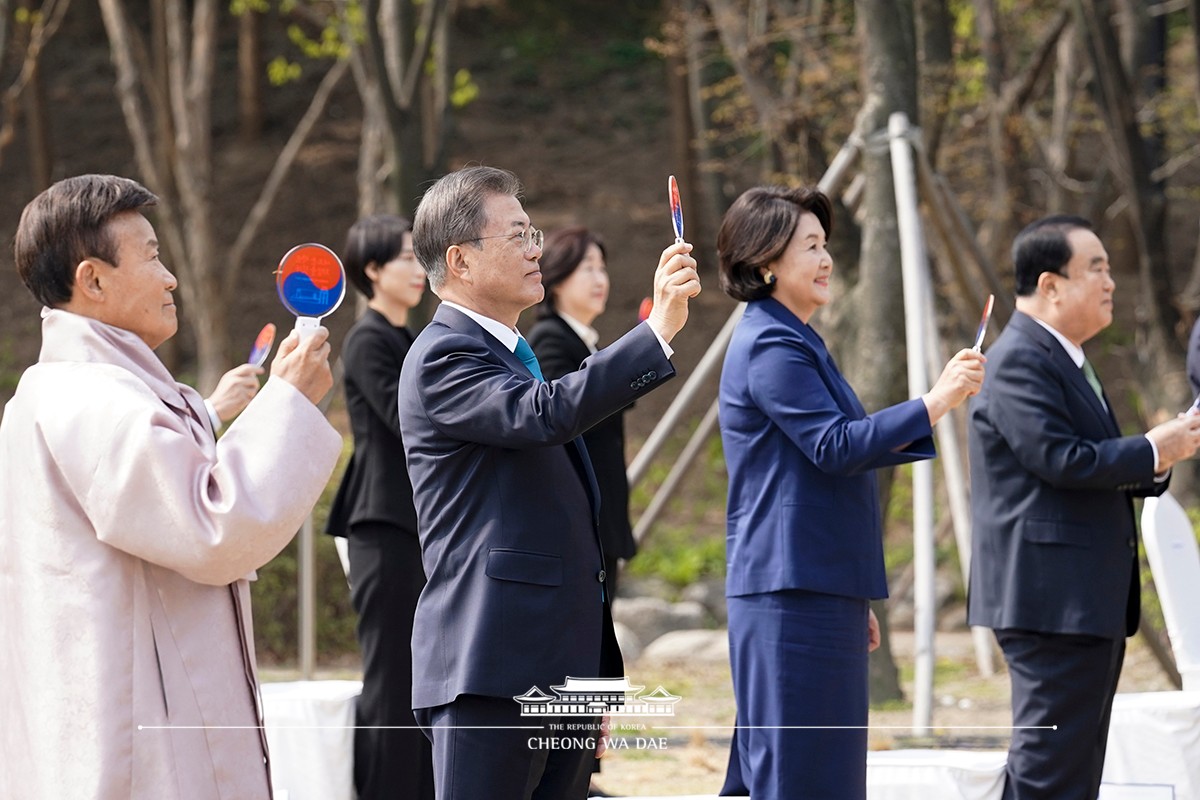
x: 465, y: 89
x: 280, y: 71
x: 239, y: 7
x: 687, y: 543
x: 680, y: 556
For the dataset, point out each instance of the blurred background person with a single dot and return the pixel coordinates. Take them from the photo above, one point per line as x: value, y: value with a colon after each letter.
x: 575, y: 276
x: 804, y: 535
x: 574, y: 266
x: 374, y: 510
x: 130, y: 532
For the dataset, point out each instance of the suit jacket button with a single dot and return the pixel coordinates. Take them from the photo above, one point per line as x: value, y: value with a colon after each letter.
x: 1132, y: 543
x: 652, y: 375
x: 601, y: 575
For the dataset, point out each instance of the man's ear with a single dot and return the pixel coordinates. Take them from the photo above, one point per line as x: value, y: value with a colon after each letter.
x: 371, y: 270
x: 87, y: 282
x: 456, y: 263
x: 1047, y: 284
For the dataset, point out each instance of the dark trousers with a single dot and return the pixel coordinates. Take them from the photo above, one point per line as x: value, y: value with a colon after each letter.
x: 799, y: 662
x: 387, y: 577
x: 1062, y: 692
x: 483, y: 747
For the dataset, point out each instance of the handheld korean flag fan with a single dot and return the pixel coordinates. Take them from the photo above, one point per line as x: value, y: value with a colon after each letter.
x: 983, y: 323
x: 262, y: 345
x: 311, y: 283
x: 676, y: 209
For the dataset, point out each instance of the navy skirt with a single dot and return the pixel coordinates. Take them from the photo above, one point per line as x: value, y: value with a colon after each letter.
x: 799, y: 662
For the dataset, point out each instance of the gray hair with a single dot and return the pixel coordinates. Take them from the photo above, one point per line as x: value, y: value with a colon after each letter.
x: 451, y: 212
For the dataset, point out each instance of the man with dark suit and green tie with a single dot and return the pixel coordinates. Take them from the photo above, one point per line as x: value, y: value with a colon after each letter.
x: 1054, y: 569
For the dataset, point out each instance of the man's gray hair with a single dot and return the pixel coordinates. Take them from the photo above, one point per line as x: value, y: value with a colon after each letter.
x: 451, y: 212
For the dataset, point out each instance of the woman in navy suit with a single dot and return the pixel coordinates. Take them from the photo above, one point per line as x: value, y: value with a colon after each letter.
x: 374, y: 510
x: 804, y: 538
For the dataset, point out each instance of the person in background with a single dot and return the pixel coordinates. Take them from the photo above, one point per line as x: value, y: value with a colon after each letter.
x: 374, y: 510
x: 804, y: 534
x: 1054, y: 555
x: 506, y: 500
x: 130, y: 531
x: 575, y: 277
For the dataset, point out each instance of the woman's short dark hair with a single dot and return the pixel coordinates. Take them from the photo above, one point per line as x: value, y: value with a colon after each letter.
x: 372, y: 240
x: 562, y: 254
x: 68, y: 223
x: 1043, y: 247
x: 756, y: 230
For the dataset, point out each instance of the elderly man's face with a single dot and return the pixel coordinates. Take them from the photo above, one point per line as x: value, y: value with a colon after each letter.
x: 137, y: 289
x: 1085, y: 294
x: 504, y: 276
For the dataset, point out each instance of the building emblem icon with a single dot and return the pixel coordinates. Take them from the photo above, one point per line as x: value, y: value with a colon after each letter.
x: 590, y: 697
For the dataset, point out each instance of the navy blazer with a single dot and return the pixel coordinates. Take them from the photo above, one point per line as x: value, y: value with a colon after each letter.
x: 801, y: 452
x: 1054, y: 545
x: 375, y: 487
x: 507, y: 510
x: 560, y: 350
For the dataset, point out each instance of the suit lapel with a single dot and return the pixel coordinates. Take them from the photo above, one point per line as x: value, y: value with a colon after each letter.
x: 576, y: 450
x: 839, y: 388
x: 1072, y: 375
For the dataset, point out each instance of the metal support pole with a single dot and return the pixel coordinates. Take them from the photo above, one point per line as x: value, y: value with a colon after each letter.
x: 308, y: 600
x: 709, y: 364
x: 955, y: 474
x: 914, y: 265
x: 675, y: 476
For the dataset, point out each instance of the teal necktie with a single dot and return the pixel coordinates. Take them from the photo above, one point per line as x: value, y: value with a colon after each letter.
x: 1090, y: 374
x: 524, y: 352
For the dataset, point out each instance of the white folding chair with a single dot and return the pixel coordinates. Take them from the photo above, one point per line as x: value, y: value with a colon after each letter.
x: 1175, y: 563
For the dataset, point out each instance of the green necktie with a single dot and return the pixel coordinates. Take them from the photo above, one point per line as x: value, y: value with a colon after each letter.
x: 524, y: 352
x: 1090, y: 374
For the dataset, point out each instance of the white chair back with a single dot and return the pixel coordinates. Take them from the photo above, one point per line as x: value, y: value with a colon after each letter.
x: 1175, y: 562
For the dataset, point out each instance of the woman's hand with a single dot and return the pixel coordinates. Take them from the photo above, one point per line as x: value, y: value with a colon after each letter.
x: 874, y: 638
x: 234, y: 391
x: 961, y: 378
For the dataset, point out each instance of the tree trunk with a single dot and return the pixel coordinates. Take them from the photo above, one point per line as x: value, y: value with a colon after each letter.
x: 250, y: 76
x: 876, y: 361
x: 935, y: 26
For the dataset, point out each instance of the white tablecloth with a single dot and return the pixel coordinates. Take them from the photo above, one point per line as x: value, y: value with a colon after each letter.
x: 310, y: 731
x: 1153, y: 751
x: 1154, y: 738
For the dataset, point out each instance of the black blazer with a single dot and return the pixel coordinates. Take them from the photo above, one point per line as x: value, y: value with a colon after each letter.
x: 508, y: 510
x: 559, y: 351
x: 375, y: 487
x: 1054, y: 540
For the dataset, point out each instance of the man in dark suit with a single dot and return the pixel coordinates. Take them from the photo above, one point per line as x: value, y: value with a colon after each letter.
x: 1054, y: 560
x: 506, y: 499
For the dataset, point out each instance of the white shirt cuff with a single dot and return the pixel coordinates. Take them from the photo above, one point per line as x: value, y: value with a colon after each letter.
x: 668, y: 352
x: 1158, y: 478
x: 217, y: 424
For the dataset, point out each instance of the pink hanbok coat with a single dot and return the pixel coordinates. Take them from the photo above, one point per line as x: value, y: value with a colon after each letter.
x: 127, y: 534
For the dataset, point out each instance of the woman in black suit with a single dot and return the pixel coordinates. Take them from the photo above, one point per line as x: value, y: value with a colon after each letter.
x: 575, y: 277
x: 374, y: 510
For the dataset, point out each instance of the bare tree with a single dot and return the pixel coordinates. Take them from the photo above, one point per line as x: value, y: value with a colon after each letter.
x: 26, y: 93
x: 175, y: 158
x: 1132, y: 146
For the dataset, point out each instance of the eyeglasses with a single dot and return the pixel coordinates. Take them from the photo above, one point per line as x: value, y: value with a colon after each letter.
x: 530, y: 238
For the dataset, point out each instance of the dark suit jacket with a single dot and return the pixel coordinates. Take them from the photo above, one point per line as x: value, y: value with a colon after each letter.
x: 375, y: 487
x: 559, y: 351
x: 1054, y: 541
x: 507, y: 510
x: 801, y: 452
